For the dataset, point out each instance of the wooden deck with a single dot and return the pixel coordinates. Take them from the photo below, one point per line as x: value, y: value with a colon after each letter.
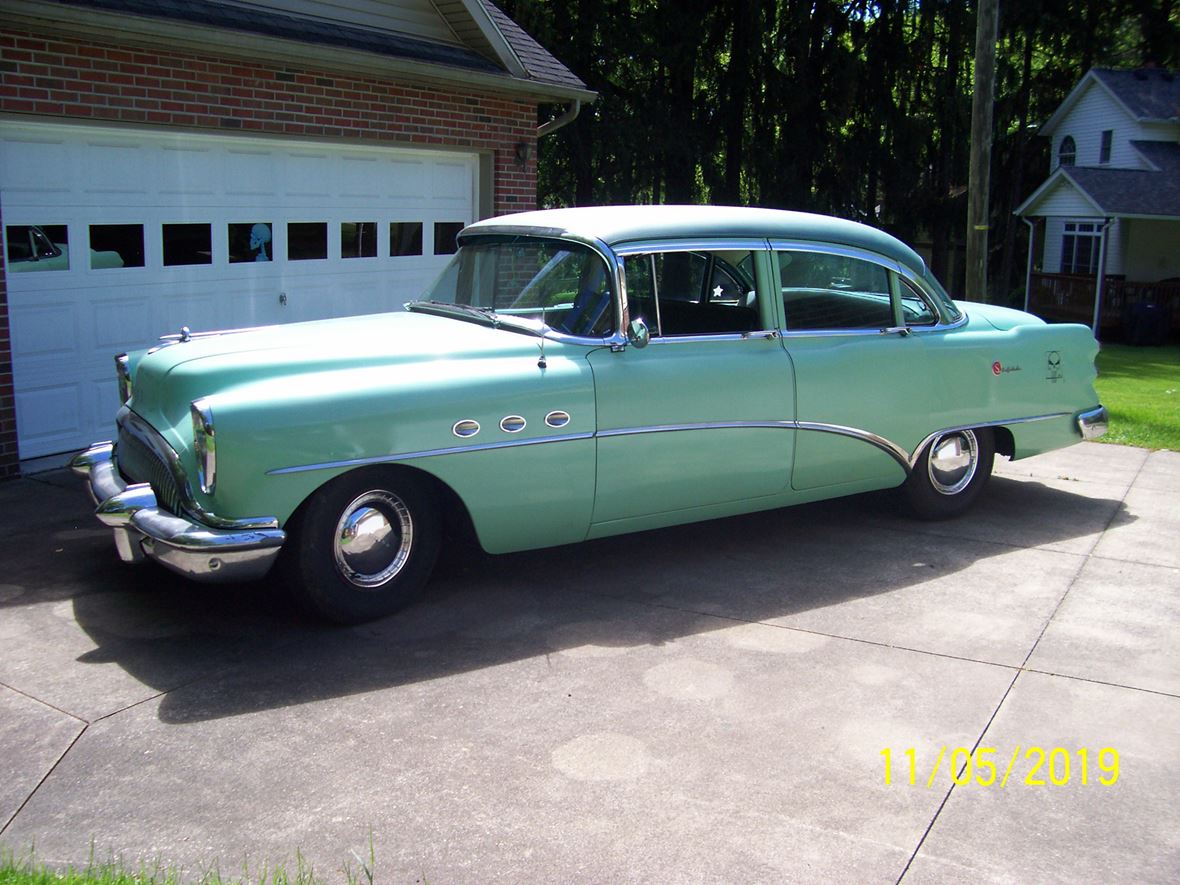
x: 1130, y: 309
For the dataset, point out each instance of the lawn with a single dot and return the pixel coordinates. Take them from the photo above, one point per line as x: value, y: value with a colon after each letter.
x: 1140, y: 387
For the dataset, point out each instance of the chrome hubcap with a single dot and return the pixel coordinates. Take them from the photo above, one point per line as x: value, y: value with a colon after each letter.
x: 953, y: 460
x: 373, y: 539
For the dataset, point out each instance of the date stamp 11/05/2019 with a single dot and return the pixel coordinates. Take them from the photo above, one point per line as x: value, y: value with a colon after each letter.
x: 1025, y: 766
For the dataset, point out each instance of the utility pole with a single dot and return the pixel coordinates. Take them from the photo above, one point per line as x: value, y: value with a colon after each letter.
x: 978, y: 181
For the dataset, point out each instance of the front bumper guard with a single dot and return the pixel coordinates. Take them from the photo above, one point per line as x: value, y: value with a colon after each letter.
x: 1093, y: 423
x: 143, y: 529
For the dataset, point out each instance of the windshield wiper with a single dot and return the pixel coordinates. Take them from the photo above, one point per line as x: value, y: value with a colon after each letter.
x: 486, y: 314
x: 482, y: 314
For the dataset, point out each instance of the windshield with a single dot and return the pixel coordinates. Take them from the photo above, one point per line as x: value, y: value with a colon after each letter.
x: 563, y: 285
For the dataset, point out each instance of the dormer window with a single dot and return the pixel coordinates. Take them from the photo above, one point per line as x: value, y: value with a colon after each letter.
x: 1067, y: 154
x: 1104, y: 151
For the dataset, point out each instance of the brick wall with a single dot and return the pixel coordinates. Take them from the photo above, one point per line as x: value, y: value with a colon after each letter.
x: 72, y: 79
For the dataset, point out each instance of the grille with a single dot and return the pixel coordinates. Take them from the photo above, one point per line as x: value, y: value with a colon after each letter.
x: 141, y: 462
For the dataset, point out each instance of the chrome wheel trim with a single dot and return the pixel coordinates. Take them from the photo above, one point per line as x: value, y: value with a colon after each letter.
x: 953, y: 461
x: 373, y: 539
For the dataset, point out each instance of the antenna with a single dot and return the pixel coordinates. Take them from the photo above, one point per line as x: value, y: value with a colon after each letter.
x: 542, y: 363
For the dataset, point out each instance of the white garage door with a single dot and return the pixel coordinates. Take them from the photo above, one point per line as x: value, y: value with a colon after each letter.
x: 115, y: 238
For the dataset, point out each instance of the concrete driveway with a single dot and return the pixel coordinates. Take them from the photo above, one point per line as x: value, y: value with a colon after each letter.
x: 705, y: 703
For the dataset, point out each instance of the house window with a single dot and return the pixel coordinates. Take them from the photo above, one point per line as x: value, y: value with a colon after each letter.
x: 1067, y: 154
x: 1104, y: 152
x: 1080, y: 247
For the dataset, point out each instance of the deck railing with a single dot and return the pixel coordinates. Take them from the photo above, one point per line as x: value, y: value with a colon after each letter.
x: 1125, y: 303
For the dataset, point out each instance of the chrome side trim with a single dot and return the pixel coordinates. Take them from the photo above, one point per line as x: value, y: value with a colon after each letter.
x: 426, y: 453
x: 1093, y: 423
x: 709, y: 244
x: 905, y: 459
x: 712, y: 425
x: 917, y: 453
x: 759, y: 335
x: 557, y: 418
x: 892, y: 449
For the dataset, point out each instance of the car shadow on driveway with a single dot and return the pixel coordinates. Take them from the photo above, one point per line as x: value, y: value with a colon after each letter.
x: 980, y: 587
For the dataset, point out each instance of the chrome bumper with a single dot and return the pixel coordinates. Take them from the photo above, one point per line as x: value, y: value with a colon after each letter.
x: 1092, y: 424
x: 143, y: 529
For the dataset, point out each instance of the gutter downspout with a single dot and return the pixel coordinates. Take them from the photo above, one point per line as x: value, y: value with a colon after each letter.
x: 570, y: 114
x: 1100, y: 286
x: 1032, y: 239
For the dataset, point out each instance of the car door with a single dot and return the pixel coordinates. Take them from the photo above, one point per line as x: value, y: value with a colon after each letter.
x: 702, y: 415
x: 861, y: 381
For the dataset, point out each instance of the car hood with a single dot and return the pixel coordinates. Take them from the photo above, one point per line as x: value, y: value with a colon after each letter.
x: 167, y: 379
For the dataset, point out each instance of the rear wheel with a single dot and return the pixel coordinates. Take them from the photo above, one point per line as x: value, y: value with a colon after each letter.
x: 364, y: 545
x: 950, y: 474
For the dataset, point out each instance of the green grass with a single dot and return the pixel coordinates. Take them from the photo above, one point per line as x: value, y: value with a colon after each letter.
x: 1140, y: 387
x: 26, y: 870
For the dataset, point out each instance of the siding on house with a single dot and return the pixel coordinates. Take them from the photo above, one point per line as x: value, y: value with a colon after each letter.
x: 1095, y: 112
x: 1154, y: 250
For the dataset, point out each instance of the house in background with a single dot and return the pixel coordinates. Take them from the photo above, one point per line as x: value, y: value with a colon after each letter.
x: 228, y: 163
x: 1105, y: 225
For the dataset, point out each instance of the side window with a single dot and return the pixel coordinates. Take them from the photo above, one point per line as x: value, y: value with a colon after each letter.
x: 693, y: 293
x: 915, y: 310
x: 823, y: 291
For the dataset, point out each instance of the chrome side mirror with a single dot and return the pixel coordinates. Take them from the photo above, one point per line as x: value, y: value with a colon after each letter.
x: 638, y: 333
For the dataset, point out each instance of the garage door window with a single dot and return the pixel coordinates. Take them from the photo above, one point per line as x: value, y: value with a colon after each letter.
x: 358, y: 239
x: 37, y: 247
x: 187, y: 244
x: 307, y: 241
x: 446, y: 235
x: 250, y: 242
x: 116, y: 245
x: 405, y: 238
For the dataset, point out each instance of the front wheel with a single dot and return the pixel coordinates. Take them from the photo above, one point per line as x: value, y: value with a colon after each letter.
x: 364, y: 545
x: 950, y: 474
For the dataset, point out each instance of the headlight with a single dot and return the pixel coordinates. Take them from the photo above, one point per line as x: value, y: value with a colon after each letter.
x: 204, y: 445
x: 124, y: 375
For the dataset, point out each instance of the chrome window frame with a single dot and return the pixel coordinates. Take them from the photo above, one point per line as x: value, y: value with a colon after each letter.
x: 891, y: 266
x: 618, y: 336
x: 712, y: 244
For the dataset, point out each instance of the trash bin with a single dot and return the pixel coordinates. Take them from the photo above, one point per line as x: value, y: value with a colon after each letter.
x: 1146, y: 324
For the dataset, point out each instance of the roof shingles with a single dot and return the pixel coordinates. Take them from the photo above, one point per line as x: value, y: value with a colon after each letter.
x: 1132, y: 192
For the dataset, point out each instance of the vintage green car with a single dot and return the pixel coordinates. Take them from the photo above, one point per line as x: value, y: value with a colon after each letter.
x: 573, y: 374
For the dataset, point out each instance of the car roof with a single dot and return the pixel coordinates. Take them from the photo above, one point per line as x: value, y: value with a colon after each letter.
x: 619, y: 225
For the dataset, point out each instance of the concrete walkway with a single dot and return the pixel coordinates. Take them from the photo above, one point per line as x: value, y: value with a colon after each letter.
x: 705, y: 703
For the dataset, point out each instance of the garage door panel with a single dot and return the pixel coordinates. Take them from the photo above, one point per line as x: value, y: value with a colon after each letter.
x: 118, y: 324
x: 451, y: 182
x: 407, y: 180
x: 49, y: 418
x: 188, y: 171
x: 197, y: 311
x: 68, y: 323
x: 36, y: 172
x: 116, y: 168
x: 308, y: 175
x: 357, y: 175
x: 43, y: 331
x: 250, y: 173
